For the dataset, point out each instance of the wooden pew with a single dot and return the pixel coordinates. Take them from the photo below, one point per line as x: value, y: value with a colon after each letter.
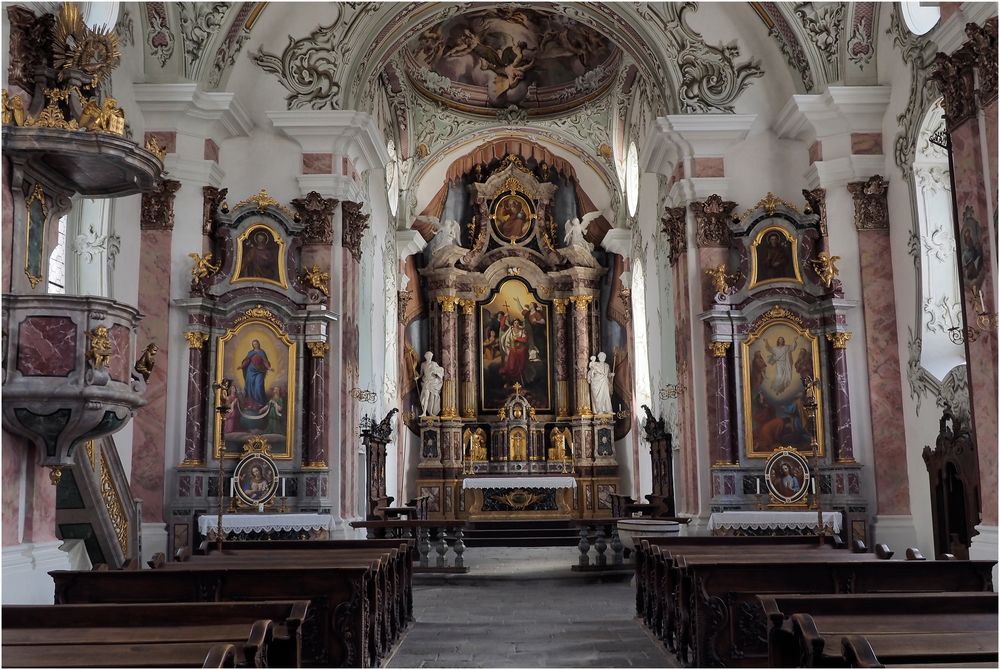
x: 962, y: 650
x: 335, y: 631
x: 866, y: 613
x: 129, y: 655
x: 266, y: 634
x: 389, y: 589
x: 723, y: 623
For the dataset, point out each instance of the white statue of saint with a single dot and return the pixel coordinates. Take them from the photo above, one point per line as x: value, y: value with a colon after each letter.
x: 445, y: 247
x: 431, y: 381
x: 599, y: 376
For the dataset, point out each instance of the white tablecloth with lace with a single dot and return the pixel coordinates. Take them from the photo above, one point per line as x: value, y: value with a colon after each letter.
x: 249, y: 523
x: 772, y: 520
x: 519, y: 483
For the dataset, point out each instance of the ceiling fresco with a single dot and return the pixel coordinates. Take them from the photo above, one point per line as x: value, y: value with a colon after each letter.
x: 500, y: 57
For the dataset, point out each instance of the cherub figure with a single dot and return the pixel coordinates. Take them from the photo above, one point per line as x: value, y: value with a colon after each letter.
x: 721, y: 279
x: 318, y: 279
x: 99, y: 347
x: 826, y: 267
x: 203, y: 269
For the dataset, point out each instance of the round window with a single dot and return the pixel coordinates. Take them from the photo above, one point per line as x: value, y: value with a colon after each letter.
x: 632, y: 179
x: 919, y: 17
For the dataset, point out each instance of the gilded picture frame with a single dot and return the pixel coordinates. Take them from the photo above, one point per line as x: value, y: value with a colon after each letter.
x: 260, y: 360
x: 35, y: 232
x: 775, y: 357
x: 256, y: 479
x: 774, y: 257
x: 513, y: 217
x: 787, y: 476
x: 256, y: 255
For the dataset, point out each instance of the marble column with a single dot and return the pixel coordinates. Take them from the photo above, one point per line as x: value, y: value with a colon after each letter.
x: 194, y: 434
x: 468, y: 367
x: 839, y: 398
x: 561, y: 359
x: 720, y: 401
x: 314, y: 448
x: 871, y: 217
x: 449, y: 355
x: 968, y: 80
x: 148, y: 455
x: 581, y: 352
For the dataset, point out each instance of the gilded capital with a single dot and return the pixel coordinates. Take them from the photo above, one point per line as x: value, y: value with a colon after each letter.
x: 448, y: 303
x: 719, y: 349
x: 839, y: 339
x: 195, y: 339
x: 560, y: 304
x: 468, y: 306
x: 581, y: 302
x: 318, y: 349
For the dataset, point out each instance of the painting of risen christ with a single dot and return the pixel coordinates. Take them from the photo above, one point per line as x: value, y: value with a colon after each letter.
x: 514, y: 347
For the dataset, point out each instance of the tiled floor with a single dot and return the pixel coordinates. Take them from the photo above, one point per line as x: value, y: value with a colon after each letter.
x: 524, y: 607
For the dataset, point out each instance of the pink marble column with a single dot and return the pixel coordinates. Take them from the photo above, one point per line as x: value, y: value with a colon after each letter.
x: 314, y: 448
x: 720, y: 430
x: 15, y: 451
x: 871, y: 217
x: 149, y: 437
x: 449, y: 356
x: 40, y: 501
x: 581, y: 352
x: 839, y: 396
x: 561, y: 359
x: 194, y: 435
x: 467, y: 372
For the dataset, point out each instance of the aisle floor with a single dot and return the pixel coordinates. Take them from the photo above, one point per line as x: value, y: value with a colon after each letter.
x: 525, y: 608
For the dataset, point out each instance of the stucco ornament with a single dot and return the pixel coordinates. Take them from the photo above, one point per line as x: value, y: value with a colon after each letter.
x: 199, y: 21
x: 788, y: 42
x: 159, y: 37
x: 823, y: 24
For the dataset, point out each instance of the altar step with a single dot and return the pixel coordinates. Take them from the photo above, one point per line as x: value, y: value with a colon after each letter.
x: 519, y: 533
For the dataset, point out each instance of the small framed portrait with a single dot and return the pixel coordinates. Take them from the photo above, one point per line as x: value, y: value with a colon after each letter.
x: 774, y: 257
x: 255, y: 479
x: 787, y: 475
x: 260, y: 256
x: 512, y: 218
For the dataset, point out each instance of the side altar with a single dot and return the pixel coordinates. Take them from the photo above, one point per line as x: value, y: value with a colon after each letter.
x: 514, y: 348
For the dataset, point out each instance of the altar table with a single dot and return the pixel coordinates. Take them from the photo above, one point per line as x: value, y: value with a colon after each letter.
x: 267, y: 526
x: 771, y: 522
x: 539, y: 497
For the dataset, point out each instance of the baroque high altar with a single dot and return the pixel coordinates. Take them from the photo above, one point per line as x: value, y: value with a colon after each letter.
x: 514, y: 324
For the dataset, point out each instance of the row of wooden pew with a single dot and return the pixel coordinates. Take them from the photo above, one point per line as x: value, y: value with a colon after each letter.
x: 254, y: 604
x: 721, y: 602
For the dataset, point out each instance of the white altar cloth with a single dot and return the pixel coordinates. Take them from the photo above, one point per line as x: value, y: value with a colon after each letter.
x: 771, y: 520
x: 244, y: 523
x: 519, y: 483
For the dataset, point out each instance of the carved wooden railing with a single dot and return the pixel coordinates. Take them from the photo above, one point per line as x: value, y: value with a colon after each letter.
x: 95, y: 505
x: 436, y: 541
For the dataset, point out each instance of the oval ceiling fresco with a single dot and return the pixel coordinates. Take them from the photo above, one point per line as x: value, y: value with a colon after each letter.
x: 494, y: 58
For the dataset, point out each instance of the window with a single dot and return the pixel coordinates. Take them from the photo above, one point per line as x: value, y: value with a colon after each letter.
x: 632, y: 179
x: 920, y: 17
x: 643, y: 392
x: 57, y: 261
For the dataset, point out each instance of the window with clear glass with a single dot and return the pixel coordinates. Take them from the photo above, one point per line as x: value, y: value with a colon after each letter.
x: 632, y: 179
x: 57, y: 261
x: 392, y: 177
x: 920, y: 17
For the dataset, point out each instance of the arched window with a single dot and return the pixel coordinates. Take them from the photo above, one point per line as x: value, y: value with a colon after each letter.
x: 643, y: 391
x: 392, y: 178
x: 919, y: 17
x: 57, y: 261
x: 632, y: 179
x: 940, y: 296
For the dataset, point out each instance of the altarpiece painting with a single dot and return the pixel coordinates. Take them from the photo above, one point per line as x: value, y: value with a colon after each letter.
x: 774, y: 257
x: 260, y: 256
x: 514, y: 347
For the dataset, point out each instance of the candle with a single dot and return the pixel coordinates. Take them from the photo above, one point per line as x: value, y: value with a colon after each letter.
x: 232, y: 487
x: 260, y: 507
x: 982, y: 304
x: 812, y: 483
x: 282, y: 487
x: 758, y: 486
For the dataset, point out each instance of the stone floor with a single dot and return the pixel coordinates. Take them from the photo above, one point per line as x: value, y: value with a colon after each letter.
x: 525, y: 608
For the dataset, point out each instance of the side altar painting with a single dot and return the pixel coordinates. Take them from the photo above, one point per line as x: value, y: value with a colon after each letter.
x: 514, y: 347
x: 776, y: 357
x: 260, y: 361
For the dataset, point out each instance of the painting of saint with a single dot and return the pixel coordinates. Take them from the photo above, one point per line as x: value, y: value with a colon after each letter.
x: 260, y: 362
x: 514, y: 347
x: 256, y: 479
x: 776, y: 359
x: 972, y: 248
x: 774, y: 257
x: 513, y: 220
x: 260, y: 256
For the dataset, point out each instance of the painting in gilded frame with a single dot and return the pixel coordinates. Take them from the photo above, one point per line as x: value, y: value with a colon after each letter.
x: 260, y: 360
x: 514, y: 347
x: 260, y: 256
x: 512, y: 218
x: 34, y: 242
x: 256, y: 478
x: 775, y: 358
x: 774, y: 257
x: 787, y: 475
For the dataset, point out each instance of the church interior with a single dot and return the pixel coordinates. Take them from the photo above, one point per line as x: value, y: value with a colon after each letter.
x: 626, y: 334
